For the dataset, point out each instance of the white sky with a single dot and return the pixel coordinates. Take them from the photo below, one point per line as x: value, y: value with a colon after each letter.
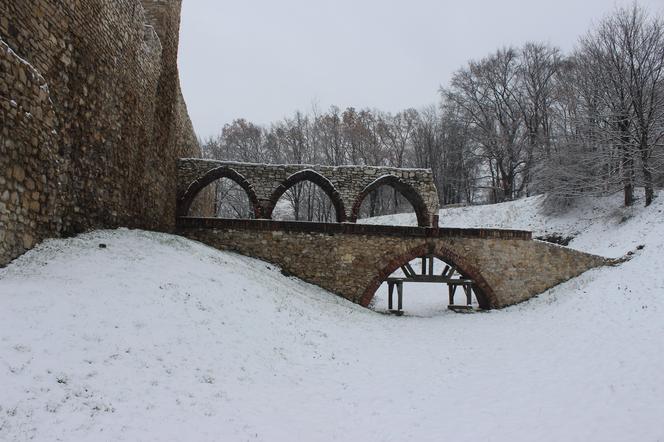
x: 264, y: 59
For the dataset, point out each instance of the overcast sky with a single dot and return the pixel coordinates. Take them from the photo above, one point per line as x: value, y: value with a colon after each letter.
x: 264, y: 59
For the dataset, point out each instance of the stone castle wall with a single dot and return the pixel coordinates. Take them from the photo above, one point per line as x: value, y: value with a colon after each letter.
x: 92, y: 118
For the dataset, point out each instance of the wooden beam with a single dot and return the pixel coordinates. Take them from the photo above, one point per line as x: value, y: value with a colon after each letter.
x: 390, y: 292
x: 395, y: 279
x: 410, y: 268
x: 432, y: 279
x: 469, y: 295
x: 400, y: 296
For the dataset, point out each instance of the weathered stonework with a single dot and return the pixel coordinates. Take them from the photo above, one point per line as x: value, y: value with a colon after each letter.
x: 347, y: 186
x: 92, y: 119
x: 29, y: 162
x: 507, y: 266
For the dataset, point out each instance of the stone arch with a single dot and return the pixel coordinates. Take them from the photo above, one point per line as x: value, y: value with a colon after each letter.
x: 184, y: 203
x: 316, y: 178
x: 483, y: 292
x: 405, y: 189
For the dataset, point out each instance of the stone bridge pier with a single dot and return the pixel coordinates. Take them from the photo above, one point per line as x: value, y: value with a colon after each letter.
x: 347, y: 186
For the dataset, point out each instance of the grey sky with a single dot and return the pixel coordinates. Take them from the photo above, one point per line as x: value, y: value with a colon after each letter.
x: 264, y: 59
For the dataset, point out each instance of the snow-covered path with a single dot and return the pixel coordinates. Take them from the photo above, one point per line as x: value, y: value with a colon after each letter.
x: 159, y: 338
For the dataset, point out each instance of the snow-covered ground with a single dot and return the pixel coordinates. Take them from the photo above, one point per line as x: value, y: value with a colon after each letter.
x: 598, y: 225
x: 155, y: 337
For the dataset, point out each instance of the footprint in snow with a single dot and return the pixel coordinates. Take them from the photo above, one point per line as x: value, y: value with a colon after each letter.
x: 22, y: 348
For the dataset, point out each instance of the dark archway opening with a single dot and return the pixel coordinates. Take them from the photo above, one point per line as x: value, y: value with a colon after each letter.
x: 230, y: 195
x: 482, y: 294
x: 384, y: 202
x: 389, y: 195
x: 229, y: 200
x: 307, y: 196
x: 429, y: 286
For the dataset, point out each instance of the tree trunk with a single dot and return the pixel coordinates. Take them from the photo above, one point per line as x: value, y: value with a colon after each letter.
x: 628, y: 169
x: 628, y: 181
x: 647, y: 178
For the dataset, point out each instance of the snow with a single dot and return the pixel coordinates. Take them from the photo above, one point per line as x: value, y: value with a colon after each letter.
x: 156, y: 337
x: 598, y: 225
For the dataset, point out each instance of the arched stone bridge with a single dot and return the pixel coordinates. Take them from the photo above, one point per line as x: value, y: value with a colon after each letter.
x: 352, y: 260
x: 347, y: 186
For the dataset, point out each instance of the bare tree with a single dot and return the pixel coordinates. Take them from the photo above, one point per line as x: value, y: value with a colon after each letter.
x: 641, y: 42
x: 327, y: 129
x: 538, y: 68
x: 623, y: 59
x: 396, y: 134
x: 487, y: 92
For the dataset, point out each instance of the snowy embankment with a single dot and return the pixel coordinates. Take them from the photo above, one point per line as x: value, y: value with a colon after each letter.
x: 598, y: 225
x: 155, y: 337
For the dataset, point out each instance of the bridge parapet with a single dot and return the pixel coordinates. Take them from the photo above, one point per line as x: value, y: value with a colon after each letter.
x: 264, y: 225
x: 347, y: 186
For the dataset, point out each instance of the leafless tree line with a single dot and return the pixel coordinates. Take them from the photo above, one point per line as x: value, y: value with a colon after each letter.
x: 609, y: 119
x: 518, y: 122
x: 410, y: 138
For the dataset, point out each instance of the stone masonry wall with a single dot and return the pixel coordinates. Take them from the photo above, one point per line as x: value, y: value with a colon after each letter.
x: 348, y: 185
x: 92, y: 119
x: 29, y: 161
x: 507, y: 266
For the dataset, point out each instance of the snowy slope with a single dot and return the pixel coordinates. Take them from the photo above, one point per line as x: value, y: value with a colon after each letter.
x: 159, y: 338
x: 599, y: 225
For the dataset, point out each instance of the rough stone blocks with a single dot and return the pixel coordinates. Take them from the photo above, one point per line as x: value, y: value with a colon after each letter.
x: 91, y: 117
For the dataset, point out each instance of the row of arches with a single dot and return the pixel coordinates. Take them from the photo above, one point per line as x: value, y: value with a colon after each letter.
x: 265, y: 208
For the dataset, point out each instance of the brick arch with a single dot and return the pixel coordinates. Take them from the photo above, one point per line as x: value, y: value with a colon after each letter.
x: 184, y: 203
x: 483, y: 292
x: 405, y: 189
x: 316, y: 178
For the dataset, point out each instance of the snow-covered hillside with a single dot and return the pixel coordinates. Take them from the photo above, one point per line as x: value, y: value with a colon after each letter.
x: 599, y: 225
x: 155, y: 337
